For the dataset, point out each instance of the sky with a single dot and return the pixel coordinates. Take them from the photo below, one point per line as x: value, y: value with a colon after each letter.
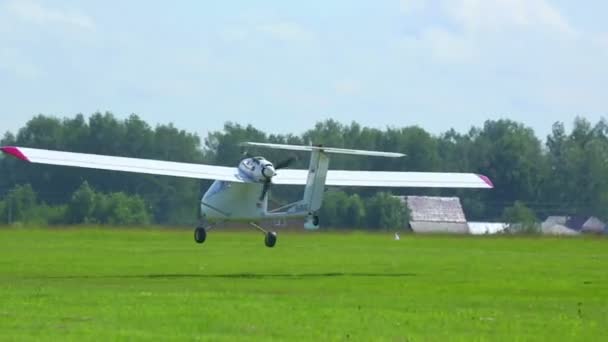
x: 284, y: 65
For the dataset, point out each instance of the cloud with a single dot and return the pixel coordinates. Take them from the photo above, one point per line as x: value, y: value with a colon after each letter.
x: 412, y: 6
x: 499, y: 15
x: 16, y: 63
x: 448, y: 47
x: 466, y: 31
x: 494, y: 15
x: 287, y: 32
x: 35, y: 13
x: 601, y: 41
x: 347, y: 87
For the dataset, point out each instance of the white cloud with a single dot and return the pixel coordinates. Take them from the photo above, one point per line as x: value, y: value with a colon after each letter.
x: 495, y: 15
x: 601, y: 41
x: 287, y: 32
x: 235, y: 34
x: 412, y: 6
x: 33, y: 12
x: 500, y: 15
x: 448, y: 47
x: 347, y: 87
x: 466, y: 31
x: 16, y: 63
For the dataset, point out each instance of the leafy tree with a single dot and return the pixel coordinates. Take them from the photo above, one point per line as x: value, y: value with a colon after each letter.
x: 18, y: 204
x: 117, y: 208
x: 82, y: 205
x: 522, y: 216
x: 385, y: 211
x: 125, y: 210
x: 354, y: 212
x: 329, y: 213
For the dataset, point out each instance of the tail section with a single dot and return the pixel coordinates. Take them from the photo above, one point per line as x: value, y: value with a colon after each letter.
x: 315, y: 183
x: 326, y: 149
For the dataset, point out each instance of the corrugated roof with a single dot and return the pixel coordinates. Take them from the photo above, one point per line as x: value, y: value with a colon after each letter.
x: 435, y: 209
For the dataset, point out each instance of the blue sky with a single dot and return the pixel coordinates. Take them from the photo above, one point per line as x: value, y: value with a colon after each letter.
x: 283, y: 65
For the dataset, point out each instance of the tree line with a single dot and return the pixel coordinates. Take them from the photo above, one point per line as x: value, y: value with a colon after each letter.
x: 564, y: 173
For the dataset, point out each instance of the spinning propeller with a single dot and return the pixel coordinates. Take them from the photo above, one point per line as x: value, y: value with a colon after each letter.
x: 268, y: 171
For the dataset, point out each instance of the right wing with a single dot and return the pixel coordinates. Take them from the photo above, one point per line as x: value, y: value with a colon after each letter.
x: 390, y: 179
x: 149, y: 166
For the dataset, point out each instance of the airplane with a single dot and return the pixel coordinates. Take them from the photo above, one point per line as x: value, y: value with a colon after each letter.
x: 241, y: 193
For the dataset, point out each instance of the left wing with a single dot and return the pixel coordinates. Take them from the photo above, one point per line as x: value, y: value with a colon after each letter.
x: 149, y: 166
x: 389, y: 179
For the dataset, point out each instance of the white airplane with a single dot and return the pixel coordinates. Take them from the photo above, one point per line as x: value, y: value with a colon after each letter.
x: 241, y: 193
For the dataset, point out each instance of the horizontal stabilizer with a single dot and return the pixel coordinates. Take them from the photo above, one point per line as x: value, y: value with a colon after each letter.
x: 391, y: 179
x: 326, y: 149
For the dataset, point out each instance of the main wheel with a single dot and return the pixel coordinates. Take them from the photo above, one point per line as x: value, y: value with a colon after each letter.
x: 271, y: 239
x: 315, y: 220
x: 200, y: 234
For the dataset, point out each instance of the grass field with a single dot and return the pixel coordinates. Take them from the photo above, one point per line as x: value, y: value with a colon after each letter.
x: 109, y: 284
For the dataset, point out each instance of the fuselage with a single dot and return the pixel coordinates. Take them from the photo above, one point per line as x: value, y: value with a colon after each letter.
x: 240, y: 201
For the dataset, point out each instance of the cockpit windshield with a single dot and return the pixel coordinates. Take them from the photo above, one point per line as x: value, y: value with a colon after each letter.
x: 249, y: 164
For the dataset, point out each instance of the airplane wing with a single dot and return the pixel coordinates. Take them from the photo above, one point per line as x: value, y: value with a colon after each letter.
x: 149, y: 166
x: 389, y: 179
x: 231, y: 174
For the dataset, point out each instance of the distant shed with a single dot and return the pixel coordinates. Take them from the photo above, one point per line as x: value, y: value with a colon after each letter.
x: 436, y: 214
x: 556, y: 225
x: 586, y: 224
x: 483, y: 228
x: 566, y: 225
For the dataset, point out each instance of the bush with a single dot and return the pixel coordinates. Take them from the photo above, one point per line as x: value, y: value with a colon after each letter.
x: 521, y: 218
x: 18, y: 204
x: 21, y: 206
x: 123, y: 209
x: 385, y: 211
x: 82, y: 205
x: 340, y: 210
x: 118, y: 208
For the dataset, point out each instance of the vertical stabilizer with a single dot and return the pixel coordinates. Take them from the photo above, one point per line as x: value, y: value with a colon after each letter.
x: 315, y: 183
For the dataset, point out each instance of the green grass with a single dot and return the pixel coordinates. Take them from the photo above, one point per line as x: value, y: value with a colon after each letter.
x: 110, y: 284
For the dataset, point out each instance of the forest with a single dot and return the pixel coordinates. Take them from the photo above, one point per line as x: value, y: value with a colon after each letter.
x: 561, y: 174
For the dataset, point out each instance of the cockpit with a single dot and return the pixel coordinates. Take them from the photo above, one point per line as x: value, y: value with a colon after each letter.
x: 257, y: 168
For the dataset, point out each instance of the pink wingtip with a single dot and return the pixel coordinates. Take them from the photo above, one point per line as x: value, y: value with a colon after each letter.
x: 14, y: 151
x: 487, y: 180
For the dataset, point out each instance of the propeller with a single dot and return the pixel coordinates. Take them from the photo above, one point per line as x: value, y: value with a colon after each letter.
x: 285, y: 163
x: 280, y: 165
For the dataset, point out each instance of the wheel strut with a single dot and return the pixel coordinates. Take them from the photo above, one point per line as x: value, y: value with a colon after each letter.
x: 270, y: 238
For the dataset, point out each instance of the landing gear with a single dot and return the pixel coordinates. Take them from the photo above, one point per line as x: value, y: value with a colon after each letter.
x: 200, y: 234
x: 270, y: 238
x: 311, y: 222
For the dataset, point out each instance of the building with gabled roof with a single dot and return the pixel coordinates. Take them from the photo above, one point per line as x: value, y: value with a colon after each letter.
x: 573, y: 225
x: 436, y: 214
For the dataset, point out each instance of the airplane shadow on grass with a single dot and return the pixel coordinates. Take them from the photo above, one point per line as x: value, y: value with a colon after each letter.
x: 240, y: 275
